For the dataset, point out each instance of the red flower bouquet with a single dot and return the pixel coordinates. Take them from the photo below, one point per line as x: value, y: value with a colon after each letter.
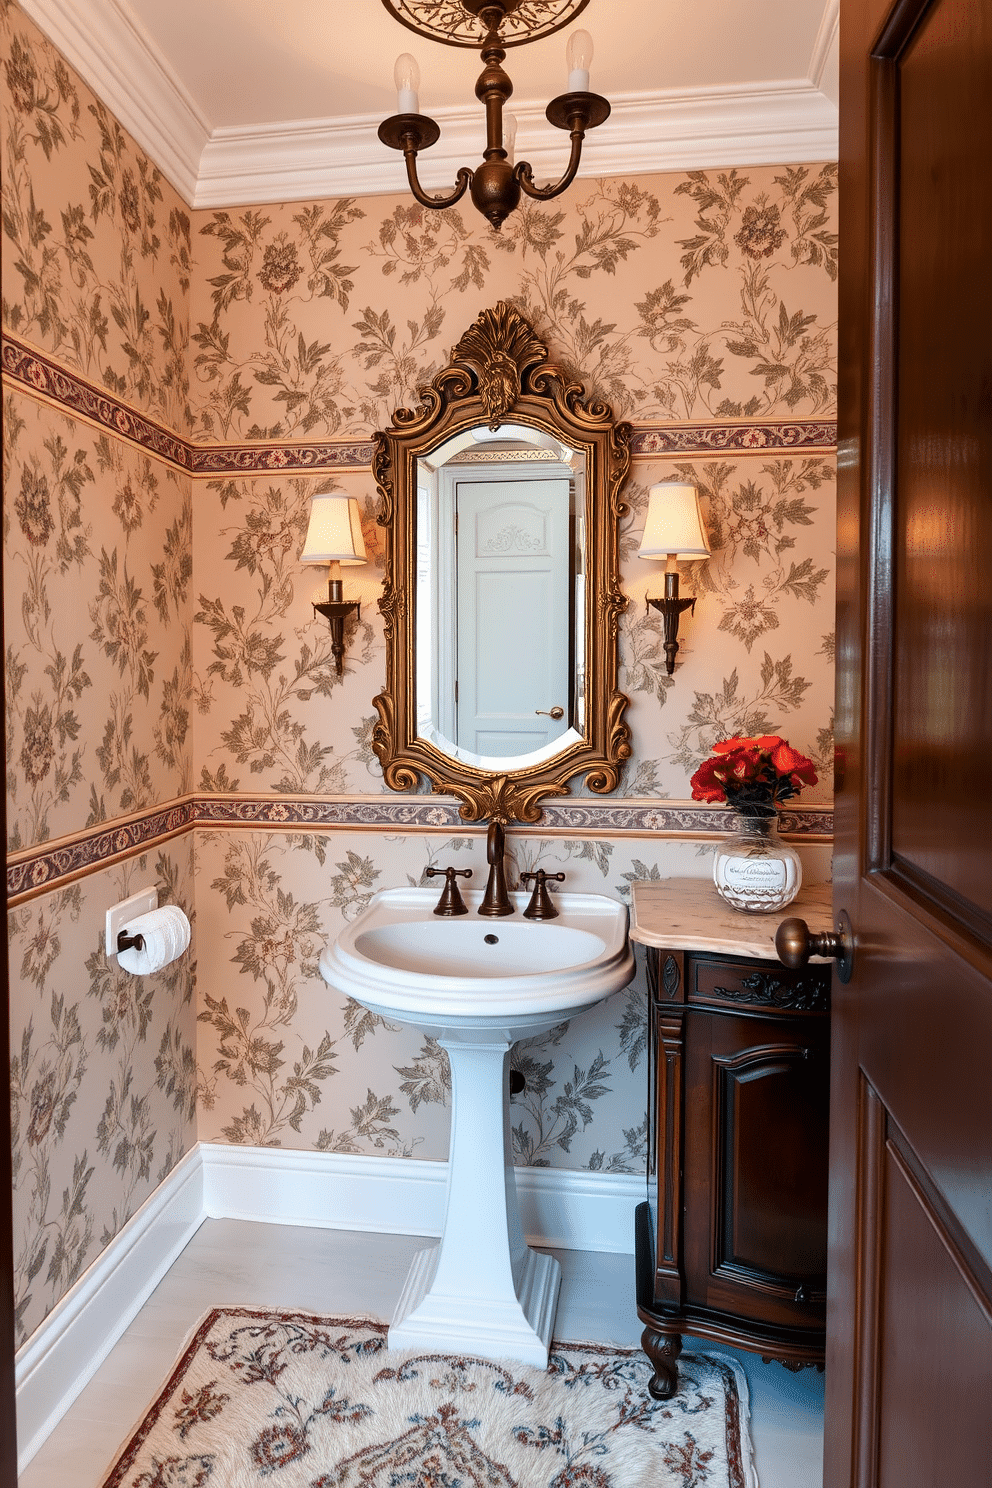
x: 752, y: 775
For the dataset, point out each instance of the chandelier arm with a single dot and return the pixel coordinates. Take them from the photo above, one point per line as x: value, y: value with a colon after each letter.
x: 463, y: 181
x: 525, y: 175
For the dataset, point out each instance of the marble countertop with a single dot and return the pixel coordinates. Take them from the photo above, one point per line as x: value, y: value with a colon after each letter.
x: 688, y: 914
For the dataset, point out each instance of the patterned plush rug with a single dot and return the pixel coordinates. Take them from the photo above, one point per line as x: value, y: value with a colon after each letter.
x: 263, y: 1399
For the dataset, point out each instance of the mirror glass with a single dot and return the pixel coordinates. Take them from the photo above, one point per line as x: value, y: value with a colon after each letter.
x: 500, y: 596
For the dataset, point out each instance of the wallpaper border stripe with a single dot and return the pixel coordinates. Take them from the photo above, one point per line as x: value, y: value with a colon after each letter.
x: 49, y: 866
x: 43, y: 377
x: 39, y: 375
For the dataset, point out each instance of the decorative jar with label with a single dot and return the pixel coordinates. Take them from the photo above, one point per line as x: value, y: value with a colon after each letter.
x: 754, y: 870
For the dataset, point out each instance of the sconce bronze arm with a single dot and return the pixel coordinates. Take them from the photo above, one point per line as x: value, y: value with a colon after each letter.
x: 335, y: 609
x: 670, y: 608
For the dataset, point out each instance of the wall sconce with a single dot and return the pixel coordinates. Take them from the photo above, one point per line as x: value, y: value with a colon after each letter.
x: 673, y: 530
x: 334, y: 536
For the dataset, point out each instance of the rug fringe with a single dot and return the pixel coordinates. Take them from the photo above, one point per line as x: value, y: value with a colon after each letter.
x: 744, y: 1396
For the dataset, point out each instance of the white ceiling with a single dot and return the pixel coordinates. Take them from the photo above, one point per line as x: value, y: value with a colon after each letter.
x: 243, y: 101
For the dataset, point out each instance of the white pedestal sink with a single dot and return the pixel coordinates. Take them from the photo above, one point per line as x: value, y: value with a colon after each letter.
x: 478, y: 985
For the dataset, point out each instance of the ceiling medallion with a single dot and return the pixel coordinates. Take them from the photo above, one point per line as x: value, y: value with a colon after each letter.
x: 449, y: 20
x: 497, y: 184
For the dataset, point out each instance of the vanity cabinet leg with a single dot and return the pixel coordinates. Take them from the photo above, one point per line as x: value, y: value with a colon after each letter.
x: 663, y: 1350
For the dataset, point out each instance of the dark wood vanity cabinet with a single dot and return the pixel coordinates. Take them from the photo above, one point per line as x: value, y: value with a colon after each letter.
x: 732, y: 1241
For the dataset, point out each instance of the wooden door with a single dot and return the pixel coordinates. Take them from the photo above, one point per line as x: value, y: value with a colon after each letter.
x: 909, y: 1322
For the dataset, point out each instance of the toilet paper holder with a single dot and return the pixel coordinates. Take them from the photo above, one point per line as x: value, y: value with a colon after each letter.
x: 120, y: 916
x: 147, y: 942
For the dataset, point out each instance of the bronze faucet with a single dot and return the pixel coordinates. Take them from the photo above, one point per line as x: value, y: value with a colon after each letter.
x: 496, y: 901
x: 541, y: 906
x: 450, y: 902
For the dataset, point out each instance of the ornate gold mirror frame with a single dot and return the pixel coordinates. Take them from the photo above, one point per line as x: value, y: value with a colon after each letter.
x: 499, y: 369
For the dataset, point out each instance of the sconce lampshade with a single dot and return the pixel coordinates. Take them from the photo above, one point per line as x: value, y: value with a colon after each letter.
x: 335, y: 531
x: 674, y: 523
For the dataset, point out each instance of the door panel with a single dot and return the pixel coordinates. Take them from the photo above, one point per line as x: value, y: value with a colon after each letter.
x: 932, y: 1348
x: 943, y: 534
x: 756, y: 1180
x: 513, y: 614
x: 909, y: 1325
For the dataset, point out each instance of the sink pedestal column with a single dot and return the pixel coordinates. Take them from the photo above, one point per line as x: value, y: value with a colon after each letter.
x: 482, y: 1291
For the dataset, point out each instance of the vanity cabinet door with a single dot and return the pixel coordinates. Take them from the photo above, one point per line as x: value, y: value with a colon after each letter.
x: 755, y: 1175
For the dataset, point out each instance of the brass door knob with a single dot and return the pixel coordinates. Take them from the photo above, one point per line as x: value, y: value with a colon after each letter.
x: 554, y: 712
x: 795, y: 942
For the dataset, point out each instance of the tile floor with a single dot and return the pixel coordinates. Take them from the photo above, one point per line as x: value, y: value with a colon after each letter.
x: 230, y: 1261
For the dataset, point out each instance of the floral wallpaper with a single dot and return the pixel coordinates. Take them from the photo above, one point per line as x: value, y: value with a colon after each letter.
x: 705, y: 295
x: 98, y: 565
x: 97, y: 247
x: 102, y: 1077
x: 162, y: 651
x: 278, y: 718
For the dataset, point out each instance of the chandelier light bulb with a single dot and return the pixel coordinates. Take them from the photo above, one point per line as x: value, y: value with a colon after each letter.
x: 406, y: 76
x: 509, y: 135
x: 578, y: 55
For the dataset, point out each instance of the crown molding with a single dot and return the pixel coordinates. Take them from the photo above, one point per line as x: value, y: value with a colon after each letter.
x: 826, y: 40
x: 696, y: 129
x: 688, y: 130
x: 112, y: 52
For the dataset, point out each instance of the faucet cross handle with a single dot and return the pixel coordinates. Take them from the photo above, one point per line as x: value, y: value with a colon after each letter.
x: 541, y: 906
x: 451, y: 901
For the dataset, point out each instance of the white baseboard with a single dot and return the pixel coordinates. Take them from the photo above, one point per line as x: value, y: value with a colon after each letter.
x: 400, y: 1196
x: 78, y: 1334
x: 405, y: 1196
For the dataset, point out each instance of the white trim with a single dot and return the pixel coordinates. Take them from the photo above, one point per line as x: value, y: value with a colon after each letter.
x: 405, y: 1196
x: 826, y: 38
x: 770, y: 123
x: 78, y: 1334
x: 400, y: 1196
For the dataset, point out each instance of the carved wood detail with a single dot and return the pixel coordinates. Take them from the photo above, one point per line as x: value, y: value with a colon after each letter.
x: 670, y: 1103
x: 764, y: 989
x: 663, y: 1351
x: 671, y: 977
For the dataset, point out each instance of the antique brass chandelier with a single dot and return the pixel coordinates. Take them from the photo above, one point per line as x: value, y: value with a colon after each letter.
x: 495, y: 185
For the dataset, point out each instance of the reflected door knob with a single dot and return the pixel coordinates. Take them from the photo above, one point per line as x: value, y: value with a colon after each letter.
x: 795, y: 942
x: 554, y: 712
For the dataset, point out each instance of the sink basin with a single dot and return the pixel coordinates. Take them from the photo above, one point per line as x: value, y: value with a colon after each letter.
x: 454, y: 977
x: 463, y: 950
x: 478, y: 985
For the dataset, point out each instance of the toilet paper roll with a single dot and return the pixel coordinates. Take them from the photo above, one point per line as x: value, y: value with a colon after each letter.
x: 165, y: 932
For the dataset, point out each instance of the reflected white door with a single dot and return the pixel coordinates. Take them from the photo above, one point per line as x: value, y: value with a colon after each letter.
x: 513, y: 605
